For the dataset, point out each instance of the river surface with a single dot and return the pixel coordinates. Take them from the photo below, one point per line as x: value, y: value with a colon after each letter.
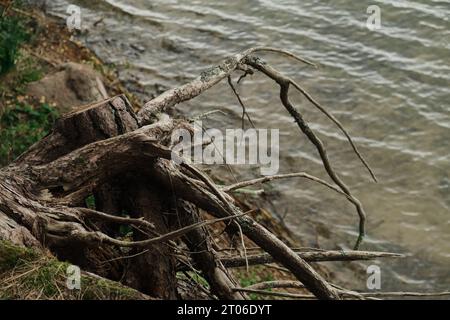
x: 389, y: 87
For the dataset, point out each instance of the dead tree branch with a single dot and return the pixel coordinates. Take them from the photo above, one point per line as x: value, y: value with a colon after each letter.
x: 284, y: 84
x: 316, y: 256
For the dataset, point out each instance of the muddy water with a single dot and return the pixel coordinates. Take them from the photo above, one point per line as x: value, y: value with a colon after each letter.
x: 389, y: 87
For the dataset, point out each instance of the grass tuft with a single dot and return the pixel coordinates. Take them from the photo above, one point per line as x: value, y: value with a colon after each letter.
x: 22, y: 125
x: 12, y: 35
x: 28, y: 274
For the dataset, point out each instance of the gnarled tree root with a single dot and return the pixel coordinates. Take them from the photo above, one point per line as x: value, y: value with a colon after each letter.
x: 121, y: 158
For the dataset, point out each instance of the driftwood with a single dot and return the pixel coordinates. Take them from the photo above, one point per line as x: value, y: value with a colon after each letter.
x: 123, y: 159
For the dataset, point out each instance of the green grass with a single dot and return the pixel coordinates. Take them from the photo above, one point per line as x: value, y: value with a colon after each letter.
x: 30, y: 72
x: 21, y: 126
x: 193, y: 276
x: 254, y: 275
x: 12, y: 34
x: 28, y: 274
x: 43, y: 278
x: 12, y: 256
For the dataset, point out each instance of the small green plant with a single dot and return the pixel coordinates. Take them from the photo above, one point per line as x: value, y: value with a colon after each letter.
x: 12, y: 35
x: 253, y: 276
x: 29, y: 74
x: 21, y: 126
x: 193, y: 276
x: 125, y: 231
x: 90, y: 202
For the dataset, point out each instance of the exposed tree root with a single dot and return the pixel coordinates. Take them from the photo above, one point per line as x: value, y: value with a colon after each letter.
x: 124, y: 160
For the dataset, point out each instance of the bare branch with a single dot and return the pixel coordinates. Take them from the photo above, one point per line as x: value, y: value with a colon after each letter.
x: 404, y: 294
x: 265, y: 179
x: 338, y: 124
x: 244, y: 110
x: 92, y: 237
x: 202, y: 83
x: 206, y: 114
x: 284, y: 84
x: 276, y: 284
x: 107, y: 217
x: 284, y: 52
x: 277, y: 294
x: 315, y: 256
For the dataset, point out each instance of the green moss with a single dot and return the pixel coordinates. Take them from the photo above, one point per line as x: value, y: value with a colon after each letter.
x: 105, y: 289
x: 11, y: 256
x: 34, y: 275
x: 45, y: 278
x: 14, y: 257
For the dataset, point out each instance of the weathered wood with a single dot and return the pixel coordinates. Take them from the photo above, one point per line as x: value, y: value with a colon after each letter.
x: 152, y: 271
x: 203, y: 255
x: 80, y: 127
x: 38, y: 185
x: 121, y: 158
x: 194, y: 192
x: 47, y: 185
